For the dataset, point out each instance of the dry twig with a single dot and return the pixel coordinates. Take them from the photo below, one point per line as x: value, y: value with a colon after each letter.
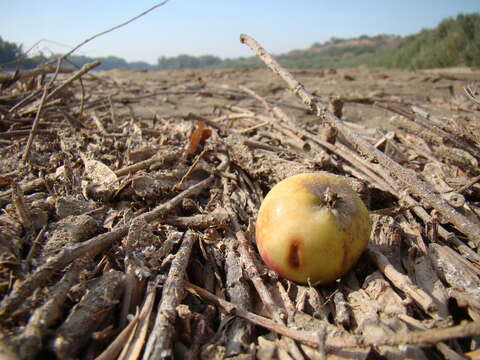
x: 405, y: 177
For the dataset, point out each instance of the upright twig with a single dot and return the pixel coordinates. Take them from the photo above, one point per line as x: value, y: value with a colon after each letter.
x: 405, y: 177
x: 45, y: 97
x: 114, y: 28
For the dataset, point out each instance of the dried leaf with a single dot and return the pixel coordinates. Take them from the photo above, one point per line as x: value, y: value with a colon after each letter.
x: 198, y: 137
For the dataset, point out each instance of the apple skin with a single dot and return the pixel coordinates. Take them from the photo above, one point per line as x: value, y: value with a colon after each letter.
x: 312, y: 228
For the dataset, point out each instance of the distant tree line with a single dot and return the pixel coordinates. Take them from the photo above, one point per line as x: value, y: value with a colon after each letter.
x: 455, y: 41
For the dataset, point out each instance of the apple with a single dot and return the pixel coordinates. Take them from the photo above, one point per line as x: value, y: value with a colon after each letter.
x: 312, y: 228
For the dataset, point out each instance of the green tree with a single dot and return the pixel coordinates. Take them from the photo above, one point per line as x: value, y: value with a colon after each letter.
x: 9, y: 51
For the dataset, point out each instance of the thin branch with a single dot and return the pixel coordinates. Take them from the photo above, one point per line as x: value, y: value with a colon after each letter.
x: 402, y: 281
x: 407, y: 178
x: 113, y: 28
x: 302, y: 336
x: 90, y: 247
x: 160, y: 341
x: 41, y: 70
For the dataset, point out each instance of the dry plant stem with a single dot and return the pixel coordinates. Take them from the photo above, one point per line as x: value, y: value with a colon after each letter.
x: 424, y: 113
x: 251, y: 268
x: 420, y: 338
x: 190, y: 170
x: 425, y: 216
x: 160, y: 341
x: 390, y: 184
x: 200, y: 221
x: 89, y: 248
x: 30, y: 340
x: 426, y: 122
x: 304, y: 337
x: 431, y: 336
x: 16, y: 133
x: 292, y: 139
x: 136, y: 345
x: 115, y: 347
x: 92, y: 309
x: 471, y: 94
x: 34, y: 129
x: 468, y: 185
x: 20, y: 207
x: 29, y: 186
x: 113, y: 28
x: 85, y: 68
x: 47, y: 96
x: 262, y: 101
x: 342, y: 312
x: 25, y: 100
x: 443, y: 348
x: 130, y: 282
x: 82, y: 101
x: 198, y: 337
x: 145, y: 164
x: 407, y: 178
x: 402, y: 281
x: 35, y: 244
x: 238, y: 291
x: 34, y: 72
x: 354, y: 159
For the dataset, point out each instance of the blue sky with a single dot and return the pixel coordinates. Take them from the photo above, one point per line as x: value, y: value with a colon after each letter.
x: 199, y: 27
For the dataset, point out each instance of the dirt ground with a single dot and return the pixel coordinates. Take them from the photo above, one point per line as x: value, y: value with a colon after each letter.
x: 128, y: 224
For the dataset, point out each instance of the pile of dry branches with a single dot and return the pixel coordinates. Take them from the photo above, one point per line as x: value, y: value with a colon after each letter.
x: 127, y: 236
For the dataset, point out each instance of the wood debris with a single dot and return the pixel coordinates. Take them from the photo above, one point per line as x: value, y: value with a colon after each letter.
x: 129, y: 202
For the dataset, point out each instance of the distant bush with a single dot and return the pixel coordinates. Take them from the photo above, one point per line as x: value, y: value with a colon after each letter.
x: 9, y: 51
x: 453, y: 42
x: 188, y: 62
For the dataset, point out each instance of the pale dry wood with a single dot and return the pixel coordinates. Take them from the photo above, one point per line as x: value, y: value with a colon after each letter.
x: 160, y: 340
x: 240, y: 331
x: 115, y: 347
x: 402, y: 281
x: 21, y: 207
x: 85, y: 318
x: 420, y: 338
x: 30, y: 340
x: 89, y: 248
x: 49, y: 95
x: 39, y: 70
x: 133, y: 351
x: 305, y: 337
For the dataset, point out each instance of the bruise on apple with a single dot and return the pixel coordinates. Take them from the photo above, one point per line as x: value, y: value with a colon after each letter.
x: 294, y: 254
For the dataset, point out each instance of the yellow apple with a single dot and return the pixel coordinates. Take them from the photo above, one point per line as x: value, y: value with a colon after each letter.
x: 311, y: 228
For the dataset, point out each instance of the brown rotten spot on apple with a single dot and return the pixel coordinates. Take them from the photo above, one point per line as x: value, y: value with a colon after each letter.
x: 294, y: 254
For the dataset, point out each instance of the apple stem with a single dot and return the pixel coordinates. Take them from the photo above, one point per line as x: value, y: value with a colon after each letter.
x: 330, y: 197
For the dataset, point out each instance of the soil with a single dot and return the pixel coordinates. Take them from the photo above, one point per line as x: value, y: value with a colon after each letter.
x: 127, y: 228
